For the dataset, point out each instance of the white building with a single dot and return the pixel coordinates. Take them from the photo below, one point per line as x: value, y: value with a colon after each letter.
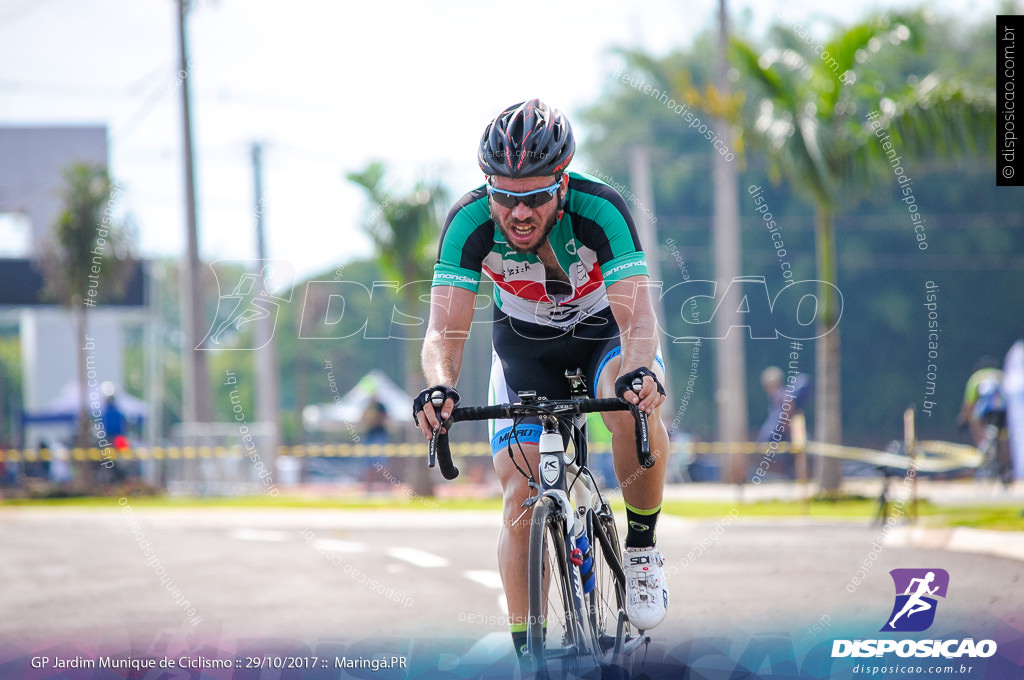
x: 32, y: 163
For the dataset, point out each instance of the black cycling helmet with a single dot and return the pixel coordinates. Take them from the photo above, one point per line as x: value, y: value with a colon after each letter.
x: 528, y: 139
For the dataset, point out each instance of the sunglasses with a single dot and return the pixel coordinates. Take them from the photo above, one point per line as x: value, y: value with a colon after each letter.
x: 531, y: 199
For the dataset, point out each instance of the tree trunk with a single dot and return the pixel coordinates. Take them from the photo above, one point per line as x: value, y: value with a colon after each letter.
x: 828, y: 412
x: 730, y: 352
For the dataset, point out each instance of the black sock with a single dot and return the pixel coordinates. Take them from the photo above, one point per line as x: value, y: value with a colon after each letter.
x: 519, y: 640
x: 641, y: 523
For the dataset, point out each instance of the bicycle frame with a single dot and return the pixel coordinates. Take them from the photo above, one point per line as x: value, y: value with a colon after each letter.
x: 557, y: 466
x: 552, y: 487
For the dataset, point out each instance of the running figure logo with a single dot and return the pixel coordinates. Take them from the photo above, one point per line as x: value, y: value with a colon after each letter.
x: 914, y: 609
x: 249, y: 301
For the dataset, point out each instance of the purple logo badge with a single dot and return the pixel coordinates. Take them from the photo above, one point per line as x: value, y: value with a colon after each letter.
x: 915, y: 605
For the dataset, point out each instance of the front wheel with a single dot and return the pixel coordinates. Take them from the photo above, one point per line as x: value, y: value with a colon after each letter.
x: 554, y: 630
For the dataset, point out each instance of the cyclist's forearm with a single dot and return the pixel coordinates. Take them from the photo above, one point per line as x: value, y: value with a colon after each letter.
x: 631, y: 306
x: 451, y: 316
x: 442, y: 359
x: 639, y: 343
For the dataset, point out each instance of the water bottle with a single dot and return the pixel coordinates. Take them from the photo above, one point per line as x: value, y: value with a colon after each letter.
x: 587, y: 565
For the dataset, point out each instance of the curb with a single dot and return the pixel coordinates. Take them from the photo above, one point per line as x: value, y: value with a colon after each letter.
x: 1008, y: 544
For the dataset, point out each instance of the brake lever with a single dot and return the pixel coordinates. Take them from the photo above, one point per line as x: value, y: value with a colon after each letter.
x: 437, y: 399
x: 643, y: 441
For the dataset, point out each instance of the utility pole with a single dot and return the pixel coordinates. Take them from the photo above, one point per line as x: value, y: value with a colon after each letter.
x: 195, y: 383
x: 154, y: 389
x: 267, y: 401
x: 730, y: 355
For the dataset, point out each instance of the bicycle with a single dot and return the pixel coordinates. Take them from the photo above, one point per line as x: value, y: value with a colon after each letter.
x: 579, y: 629
x: 995, y: 453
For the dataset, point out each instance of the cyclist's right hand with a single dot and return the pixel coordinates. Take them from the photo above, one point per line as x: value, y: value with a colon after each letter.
x: 425, y: 415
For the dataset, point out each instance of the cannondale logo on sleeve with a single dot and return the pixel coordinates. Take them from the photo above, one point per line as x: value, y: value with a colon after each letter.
x: 914, y: 611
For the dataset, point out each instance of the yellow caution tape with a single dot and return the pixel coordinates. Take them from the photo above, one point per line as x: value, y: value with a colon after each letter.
x: 934, y: 456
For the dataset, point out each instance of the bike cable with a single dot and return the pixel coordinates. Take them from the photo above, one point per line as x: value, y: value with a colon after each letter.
x: 511, y: 454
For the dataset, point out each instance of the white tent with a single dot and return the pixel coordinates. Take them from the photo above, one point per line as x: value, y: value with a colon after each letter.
x: 65, y: 408
x: 349, y: 408
x: 55, y: 422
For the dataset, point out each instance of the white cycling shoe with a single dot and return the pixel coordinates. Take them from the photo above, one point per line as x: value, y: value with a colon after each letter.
x: 646, y: 592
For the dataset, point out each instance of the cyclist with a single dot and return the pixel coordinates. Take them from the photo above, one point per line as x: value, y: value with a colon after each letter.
x: 984, y: 405
x: 570, y: 275
x: 983, y: 399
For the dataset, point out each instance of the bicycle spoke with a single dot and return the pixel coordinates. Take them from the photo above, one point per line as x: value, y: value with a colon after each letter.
x: 608, y: 596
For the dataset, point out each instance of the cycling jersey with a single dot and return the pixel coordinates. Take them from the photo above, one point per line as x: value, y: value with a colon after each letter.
x: 595, y: 243
x: 984, y: 393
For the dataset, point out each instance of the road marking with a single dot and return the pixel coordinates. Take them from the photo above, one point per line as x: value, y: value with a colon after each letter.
x: 260, y: 535
x: 334, y: 545
x: 418, y: 557
x: 488, y: 579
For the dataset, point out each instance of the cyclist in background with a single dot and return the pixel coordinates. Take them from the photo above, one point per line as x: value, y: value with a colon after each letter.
x: 984, y: 412
x: 984, y: 403
x: 570, y: 275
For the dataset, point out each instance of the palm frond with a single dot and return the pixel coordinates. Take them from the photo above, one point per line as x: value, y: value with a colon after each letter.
x: 941, y: 117
x: 764, y: 71
x: 403, y: 227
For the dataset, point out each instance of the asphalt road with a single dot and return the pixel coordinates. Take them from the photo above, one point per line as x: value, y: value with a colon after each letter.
x: 133, y: 575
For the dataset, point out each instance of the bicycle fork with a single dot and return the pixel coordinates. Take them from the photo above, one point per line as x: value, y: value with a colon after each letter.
x: 553, y: 467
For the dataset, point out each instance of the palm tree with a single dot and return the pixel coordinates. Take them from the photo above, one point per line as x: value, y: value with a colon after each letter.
x: 405, y: 230
x: 812, y: 119
x: 86, y: 259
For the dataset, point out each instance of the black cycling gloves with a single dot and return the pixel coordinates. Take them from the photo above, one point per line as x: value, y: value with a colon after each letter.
x: 624, y: 383
x: 425, y: 396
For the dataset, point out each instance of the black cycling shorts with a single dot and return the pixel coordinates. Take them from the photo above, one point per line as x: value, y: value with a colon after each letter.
x: 529, y: 356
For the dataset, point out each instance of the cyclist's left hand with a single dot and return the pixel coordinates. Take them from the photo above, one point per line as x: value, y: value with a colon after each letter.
x: 651, y: 395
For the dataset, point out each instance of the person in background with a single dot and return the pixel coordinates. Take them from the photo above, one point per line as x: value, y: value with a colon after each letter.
x: 984, y: 402
x: 375, y: 420
x: 786, y: 398
x: 115, y: 425
x: 984, y: 412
